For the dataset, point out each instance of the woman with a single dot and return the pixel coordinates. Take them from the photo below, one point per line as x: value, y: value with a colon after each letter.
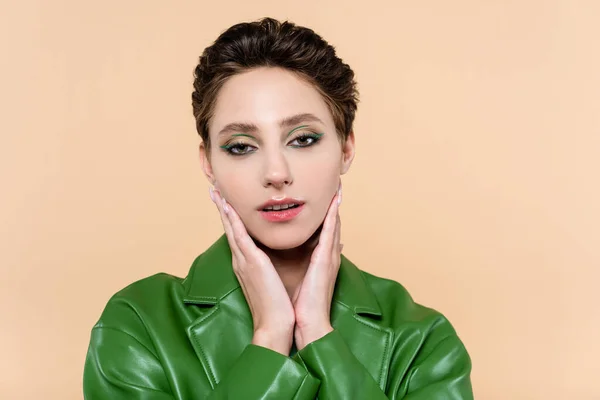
x: 272, y: 310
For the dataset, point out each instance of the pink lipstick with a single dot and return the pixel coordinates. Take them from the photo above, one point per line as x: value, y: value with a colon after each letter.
x: 281, y: 210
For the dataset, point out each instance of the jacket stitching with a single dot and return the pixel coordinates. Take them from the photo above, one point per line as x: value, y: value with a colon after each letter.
x: 201, y: 348
x: 208, y: 366
x: 385, y: 349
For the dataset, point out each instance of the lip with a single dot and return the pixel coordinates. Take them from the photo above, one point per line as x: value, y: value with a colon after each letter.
x: 274, y: 202
x: 282, y: 215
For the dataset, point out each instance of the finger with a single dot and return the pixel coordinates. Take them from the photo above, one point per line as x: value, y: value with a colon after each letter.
x: 336, y: 248
x: 236, y: 252
x: 242, y: 238
x: 338, y: 235
x: 238, y: 257
x: 327, y: 236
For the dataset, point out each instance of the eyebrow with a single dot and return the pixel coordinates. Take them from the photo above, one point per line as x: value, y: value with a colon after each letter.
x: 245, y: 127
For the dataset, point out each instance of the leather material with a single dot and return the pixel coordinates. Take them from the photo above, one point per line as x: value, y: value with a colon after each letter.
x: 167, y: 338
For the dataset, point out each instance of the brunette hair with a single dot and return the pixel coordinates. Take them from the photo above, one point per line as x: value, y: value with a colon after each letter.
x: 271, y: 43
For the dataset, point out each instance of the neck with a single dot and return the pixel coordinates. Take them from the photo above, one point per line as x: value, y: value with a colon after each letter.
x: 292, y: 264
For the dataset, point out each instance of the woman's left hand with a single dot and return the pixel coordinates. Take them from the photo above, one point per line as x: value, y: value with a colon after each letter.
x: 312, y: 300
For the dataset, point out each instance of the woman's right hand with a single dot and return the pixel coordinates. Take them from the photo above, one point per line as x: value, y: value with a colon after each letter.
x: 270, y: 305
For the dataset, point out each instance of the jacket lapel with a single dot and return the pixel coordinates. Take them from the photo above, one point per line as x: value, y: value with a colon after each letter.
x: 223, y: 326
x: 356, y: 315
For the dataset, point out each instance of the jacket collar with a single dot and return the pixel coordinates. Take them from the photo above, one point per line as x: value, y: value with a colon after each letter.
x: 211, y: 278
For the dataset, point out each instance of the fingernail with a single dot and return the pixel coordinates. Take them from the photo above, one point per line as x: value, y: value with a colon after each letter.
x: 340, y: 196
x: 211, y: 194
x: 225, y: 205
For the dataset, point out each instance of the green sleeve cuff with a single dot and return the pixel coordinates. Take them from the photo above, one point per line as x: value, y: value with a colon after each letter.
x: 261, y: 373
x: 325, y: 353
x: 342, y: 376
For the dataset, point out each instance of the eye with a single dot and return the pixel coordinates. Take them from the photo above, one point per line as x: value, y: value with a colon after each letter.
x: 238, y: 149
x: 306, y: 139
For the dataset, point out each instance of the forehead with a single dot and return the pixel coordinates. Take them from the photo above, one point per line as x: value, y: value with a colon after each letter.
x: 265, y: 96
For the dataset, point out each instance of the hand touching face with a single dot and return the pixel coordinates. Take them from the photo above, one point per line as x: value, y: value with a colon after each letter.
x: 277, y: 319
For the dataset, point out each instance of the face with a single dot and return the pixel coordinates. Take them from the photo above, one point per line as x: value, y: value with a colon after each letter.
x: 273, y: 137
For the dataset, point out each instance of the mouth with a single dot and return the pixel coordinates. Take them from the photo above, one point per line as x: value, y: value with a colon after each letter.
x: 281, y: 207
x: 281, y: 212
x: 283, y: 203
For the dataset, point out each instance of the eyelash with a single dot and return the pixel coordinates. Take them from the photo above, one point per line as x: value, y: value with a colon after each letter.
x: 230, y: 146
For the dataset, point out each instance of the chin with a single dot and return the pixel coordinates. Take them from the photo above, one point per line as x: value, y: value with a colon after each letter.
x: 278, y: 242
x: 283, y: 239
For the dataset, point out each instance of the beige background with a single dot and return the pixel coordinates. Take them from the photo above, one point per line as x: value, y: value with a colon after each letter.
x: 476, y: 182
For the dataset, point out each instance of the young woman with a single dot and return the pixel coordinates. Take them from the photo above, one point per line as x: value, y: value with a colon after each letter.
x: 272, y: 310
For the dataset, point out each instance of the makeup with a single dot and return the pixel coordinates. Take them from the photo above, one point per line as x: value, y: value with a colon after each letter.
x: 282, y: 215
x: 244, y: 134
x: 228, y: 146
x: 281, y: 209
x: 295, y: 129
x: 313, y: 136
x: 240, y: 148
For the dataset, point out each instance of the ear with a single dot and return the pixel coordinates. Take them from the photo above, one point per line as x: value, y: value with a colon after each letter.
x: 348, y: 149
x: 206, y: 166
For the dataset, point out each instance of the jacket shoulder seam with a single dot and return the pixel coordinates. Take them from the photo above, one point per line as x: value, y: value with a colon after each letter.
x: 127, y: 334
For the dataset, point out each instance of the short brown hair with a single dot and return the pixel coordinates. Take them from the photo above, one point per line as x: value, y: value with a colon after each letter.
x: 270, y: 43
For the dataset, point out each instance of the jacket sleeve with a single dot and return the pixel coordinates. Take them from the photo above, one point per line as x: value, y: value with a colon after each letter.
x: 261, y: 373
x: 121, y: 366
x: 438, y: 371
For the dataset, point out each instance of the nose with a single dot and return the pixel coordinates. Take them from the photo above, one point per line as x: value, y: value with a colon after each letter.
x: 277, y: 171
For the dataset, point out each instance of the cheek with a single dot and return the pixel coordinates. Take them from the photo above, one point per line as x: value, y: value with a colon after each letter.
x: 319, y: 181
x: 233, y: 186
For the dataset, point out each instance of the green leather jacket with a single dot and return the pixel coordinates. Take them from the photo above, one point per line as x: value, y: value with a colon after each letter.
x: 167, y: 338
